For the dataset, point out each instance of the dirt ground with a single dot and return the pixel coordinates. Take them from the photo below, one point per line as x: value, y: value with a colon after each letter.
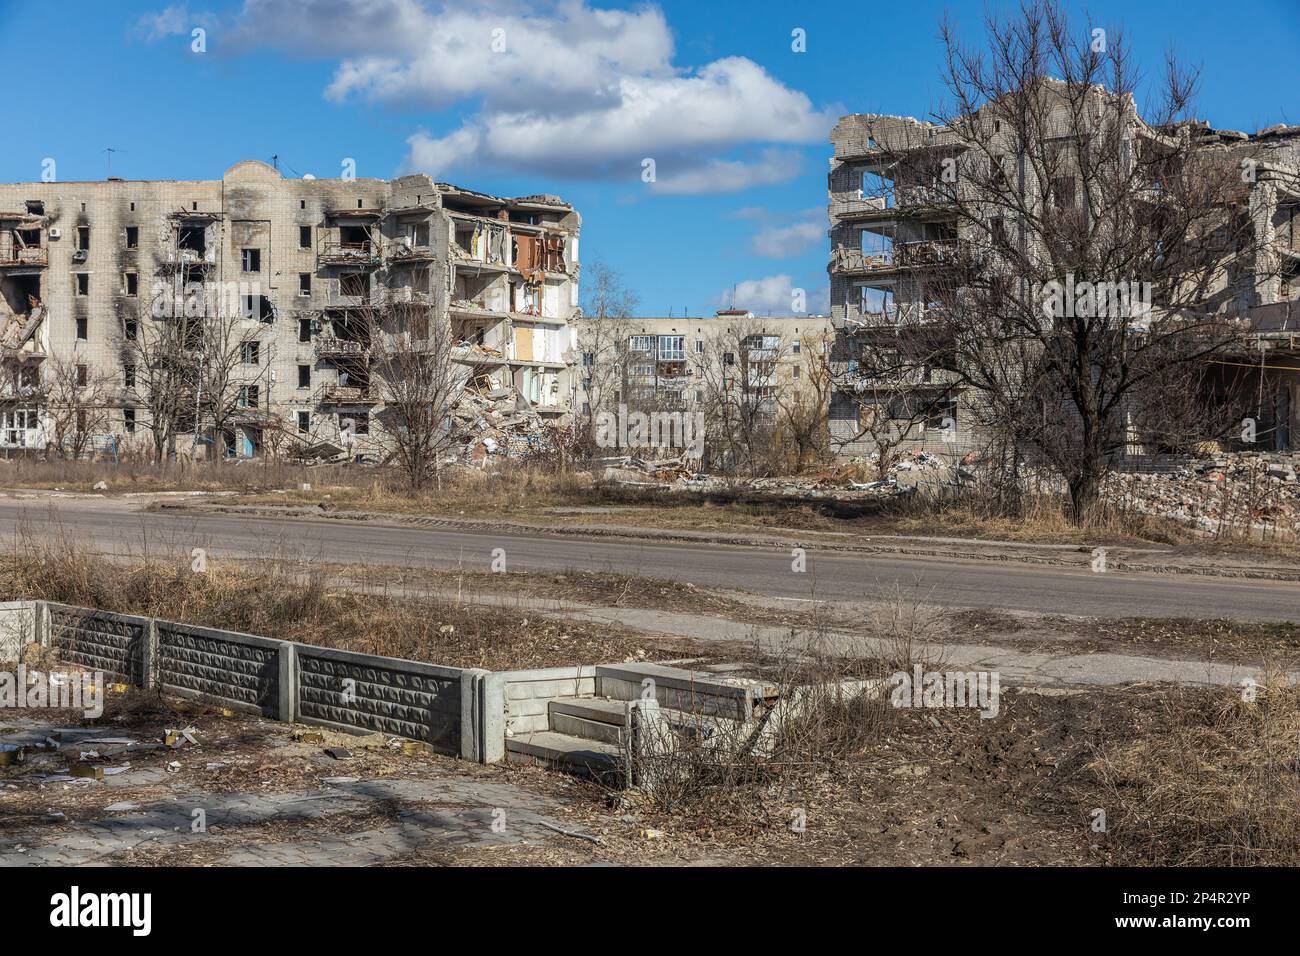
x: 940, y: 788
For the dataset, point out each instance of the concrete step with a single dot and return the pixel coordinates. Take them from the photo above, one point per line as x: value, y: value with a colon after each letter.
x: 578, y: 755
x: 598, y: 730
x: 598, y: 709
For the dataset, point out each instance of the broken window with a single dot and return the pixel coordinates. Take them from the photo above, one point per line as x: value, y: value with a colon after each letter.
x: 356, y: 422
x: 304, y: 283
x: 193, y: 238
x: 130, y: 283
x: 355, y: 284
x: 132, y: 237
x: 83, y: 283
x: 304, y: 237
x: 83, y: 238
x: 129, y: 330
x: 1064, y: 192
x: 35, y: 207
x: 354, y: 238
x: 248, y: 396
x: 640, y: 343
x: 258, y: 307
x: 304, y: 422
x: 83, y: 376
x: 304, y: 376
x: 250, y: 353
x: 128, y: 419
x: 304, y: 330
x: 251, y: 260
x: 128, y: 376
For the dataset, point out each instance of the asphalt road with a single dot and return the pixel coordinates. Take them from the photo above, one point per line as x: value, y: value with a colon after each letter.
x: 117, y: 526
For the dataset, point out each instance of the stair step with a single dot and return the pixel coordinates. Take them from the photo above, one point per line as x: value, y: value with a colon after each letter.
x: 598, y: 709
x: 597, y: 730
x: 580, y: 755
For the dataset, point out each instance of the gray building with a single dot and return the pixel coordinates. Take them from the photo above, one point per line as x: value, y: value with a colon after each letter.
x: 87, y: 269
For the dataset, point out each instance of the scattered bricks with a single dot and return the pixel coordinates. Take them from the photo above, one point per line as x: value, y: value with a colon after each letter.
x: 90, y: 771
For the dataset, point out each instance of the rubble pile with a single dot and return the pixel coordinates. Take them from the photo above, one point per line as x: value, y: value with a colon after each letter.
x: 1226, y: 492
x: 499, y: 422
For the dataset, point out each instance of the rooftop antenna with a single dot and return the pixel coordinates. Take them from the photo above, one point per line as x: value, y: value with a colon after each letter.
x: 275, y: 161
x: 110, y: 150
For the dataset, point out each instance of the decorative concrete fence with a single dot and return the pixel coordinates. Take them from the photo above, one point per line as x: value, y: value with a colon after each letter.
x: 279, y: 680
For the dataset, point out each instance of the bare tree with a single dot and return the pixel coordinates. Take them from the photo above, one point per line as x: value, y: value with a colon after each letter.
x: 160, y: 364
x: 736, y: 370
x: 416, y: 376
x: 234, y: 372
x: 602, y: 344
x: 803, y: 403
x: 1085, y: 256
x: 897, y: 385
x: 75, y: 394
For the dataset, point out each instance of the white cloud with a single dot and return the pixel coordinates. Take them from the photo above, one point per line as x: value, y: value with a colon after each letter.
x: 776, y: 295
x: 173, y: 21
x: 720, y: 176
x: 785, y: 242
x: 553, y: 88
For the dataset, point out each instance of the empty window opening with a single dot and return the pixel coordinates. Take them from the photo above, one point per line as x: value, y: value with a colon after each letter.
x: 304, y: 237
x: 355, y: 284
x: 83, y: 328
x: 304, y: 283
x: 355, y: 238
x: 132, y: 237
x: 83, y: 376
x: 128, y: 419
x: 251, y: 353
x: 35, y: 207
x: 304, y: 422
x: 83, y: 238
x: 128, y: 376
x: 304, y: 330
x: 130, y: 283
x: 194, y: 238
x: 251, y: 260
x: 83, y: 283
x: 304, y: 376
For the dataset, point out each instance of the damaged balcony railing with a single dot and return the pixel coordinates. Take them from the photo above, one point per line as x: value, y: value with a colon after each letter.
x: 328, y: 345
x: 352, y: 253
x: 15, y: 254
x: 344, y: 395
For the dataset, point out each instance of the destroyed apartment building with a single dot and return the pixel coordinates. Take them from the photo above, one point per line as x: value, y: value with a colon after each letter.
x: 238, y: 315
x: 899, y: 248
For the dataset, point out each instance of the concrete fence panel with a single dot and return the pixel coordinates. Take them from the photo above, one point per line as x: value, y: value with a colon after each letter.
x: 244, y: 672
x: 408, y: 699
x: 17, y: 628
x: 100, y: 641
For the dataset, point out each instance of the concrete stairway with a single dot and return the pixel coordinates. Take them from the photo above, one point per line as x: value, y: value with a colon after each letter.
x: 591, y: 736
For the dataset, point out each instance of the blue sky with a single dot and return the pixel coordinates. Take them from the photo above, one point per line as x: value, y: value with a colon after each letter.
x: 566, y: 97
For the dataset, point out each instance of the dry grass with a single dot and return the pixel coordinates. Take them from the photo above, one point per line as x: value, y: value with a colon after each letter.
x: 1213, y: 781
x: 294, y: 601
x: 829, y: 708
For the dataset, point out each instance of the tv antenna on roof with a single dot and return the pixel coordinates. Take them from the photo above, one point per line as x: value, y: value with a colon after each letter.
x: 110, y: 150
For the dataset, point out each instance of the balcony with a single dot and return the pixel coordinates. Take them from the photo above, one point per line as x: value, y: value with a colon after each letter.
x: 904, y: 255
x: 14, y: 255
x: 344, y: 395
x: 331, y: 347
x: 862, y: 207
x: 337, y: 253
x: 401, y: 253
x: 172, y: 259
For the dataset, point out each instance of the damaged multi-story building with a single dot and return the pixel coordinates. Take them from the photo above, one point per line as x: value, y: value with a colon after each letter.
x: 88, y: 269
x: 896, y: 241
